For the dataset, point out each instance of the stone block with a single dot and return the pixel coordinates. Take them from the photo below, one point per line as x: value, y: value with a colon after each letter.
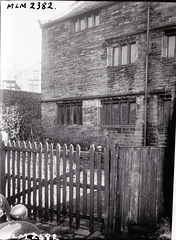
x: 56, y: 229
x: 82, y: 232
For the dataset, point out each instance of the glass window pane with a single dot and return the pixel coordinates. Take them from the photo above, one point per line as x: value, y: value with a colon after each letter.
x: 133, y: 53
x: 63, y: 115
x: 107, y: 114
x: 124, y: 55
x: 132, y: 112
x: 166, y: 112
x: 79, y: 115
x: 76, y: 26
x: 60, y: 116
x: 97, y: 20
x: 82, y: 24
x: 160, y: 114
x: 89, y: 22
x: 171, y: 46
x: 124, y: 113
x: 68, y: 115
x: 116, y: 56
x: 115, y: 114
x: 74, y: 114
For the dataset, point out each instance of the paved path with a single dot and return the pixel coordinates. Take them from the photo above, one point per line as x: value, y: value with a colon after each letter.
x: 63, y: 231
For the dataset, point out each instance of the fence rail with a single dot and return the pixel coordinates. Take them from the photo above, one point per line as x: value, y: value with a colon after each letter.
x: 116, y: 186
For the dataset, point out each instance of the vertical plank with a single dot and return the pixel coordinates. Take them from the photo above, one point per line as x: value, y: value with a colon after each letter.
x: 140, y: 184
x: 40, y: 147
x: 91, y: 213
x: 159, y: 195
x: 58, y: 153
x: 144, y: 167
x: 18, y: 171
x: 85, y: 190
x: 122, y: 183
x: 23, y: 172
x: 8, y: 172
x: 51, y: 184
x: 99, y: 198
x: 46, y: 180
x: 29, y: 177
x: 117, y: 191
x: 2, y: 168
x: 112, y: 188
x: 64, y: 177
x: 13, y: 174
x: 152, y: 188
x: 135, y: 181
x: 107, y: 176
x: 146, y: 182
x: 71, y: 185
x: 34, y: 147
x: 77, y: 186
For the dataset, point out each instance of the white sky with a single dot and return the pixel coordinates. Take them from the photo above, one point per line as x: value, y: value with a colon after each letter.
x: 21, y: 34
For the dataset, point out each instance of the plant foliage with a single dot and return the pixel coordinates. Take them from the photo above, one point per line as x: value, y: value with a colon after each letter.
x: 164, y: 230
x: 21, y: 118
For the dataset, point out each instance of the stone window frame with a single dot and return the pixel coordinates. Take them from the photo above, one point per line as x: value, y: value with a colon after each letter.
x: 107, y: 118
x: 163, y: 119
x: 120, y: 45
x: 85, y: 19
x: 168, y: 35
x: 69, y: 113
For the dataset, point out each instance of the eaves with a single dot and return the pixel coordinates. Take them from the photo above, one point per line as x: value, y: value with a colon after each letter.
x: 78, y: 13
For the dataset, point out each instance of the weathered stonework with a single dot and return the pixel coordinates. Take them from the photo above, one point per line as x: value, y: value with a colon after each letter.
x: 74, y: 66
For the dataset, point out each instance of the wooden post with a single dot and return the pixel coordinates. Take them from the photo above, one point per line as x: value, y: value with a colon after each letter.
x: 91, y: 212
x: 78, y: 149
x: 107, y: 181
x: 174, y: 197
x: 71, y: 152
x: 2, y: 168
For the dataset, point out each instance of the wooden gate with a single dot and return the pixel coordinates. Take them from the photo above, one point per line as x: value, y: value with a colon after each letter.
x: 51, y: 182
x: 118, y: 186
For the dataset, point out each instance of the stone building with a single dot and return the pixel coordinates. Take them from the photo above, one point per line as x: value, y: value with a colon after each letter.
x: 109, y: 73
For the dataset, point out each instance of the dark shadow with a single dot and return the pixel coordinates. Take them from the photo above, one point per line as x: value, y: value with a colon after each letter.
x: 169, y: 167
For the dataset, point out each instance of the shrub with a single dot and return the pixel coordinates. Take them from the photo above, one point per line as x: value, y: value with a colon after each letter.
x: 21, y: 115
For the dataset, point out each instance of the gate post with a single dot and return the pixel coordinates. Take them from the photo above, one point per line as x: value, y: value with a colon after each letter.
x: 2, y: 168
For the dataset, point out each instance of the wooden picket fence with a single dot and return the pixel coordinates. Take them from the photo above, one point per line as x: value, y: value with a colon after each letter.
x: 54, y: 181
x: 114, y: 187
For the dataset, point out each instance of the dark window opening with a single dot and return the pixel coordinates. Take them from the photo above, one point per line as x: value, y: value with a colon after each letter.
x: 69, y: 114
x: 118, y: 113
x: 164, y: 112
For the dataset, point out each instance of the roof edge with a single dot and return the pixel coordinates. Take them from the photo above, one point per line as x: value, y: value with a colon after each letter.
x: 67, y: 16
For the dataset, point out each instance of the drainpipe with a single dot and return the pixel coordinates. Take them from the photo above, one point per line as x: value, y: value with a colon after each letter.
x: 146, y: 74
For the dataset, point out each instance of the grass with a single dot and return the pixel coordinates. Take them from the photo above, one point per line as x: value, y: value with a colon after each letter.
x: 164, y: 230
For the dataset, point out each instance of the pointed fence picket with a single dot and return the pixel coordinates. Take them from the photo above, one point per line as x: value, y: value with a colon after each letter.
x: 52, y: 181
x: 116, y: 186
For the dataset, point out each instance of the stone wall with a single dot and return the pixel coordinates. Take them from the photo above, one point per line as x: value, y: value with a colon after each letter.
x: 74, y: 65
